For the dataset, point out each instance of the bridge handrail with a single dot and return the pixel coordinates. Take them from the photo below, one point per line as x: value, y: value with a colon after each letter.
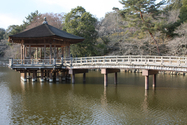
x: 102, y: 60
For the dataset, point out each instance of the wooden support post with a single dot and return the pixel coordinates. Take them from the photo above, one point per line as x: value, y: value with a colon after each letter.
x: 21, y: 52
x: 147, y: 82
x: 57, y: 76
x: 106, y: 71
x: 68, y: 51
x: 76, y: 71
x: 146, y: 73
x: 29, y: 75
x: 55, y: 51
x: 73, y: 78
x: 41, y: 53
x: 42, y: 74
x: 154, y: 81
x: 115, y: 78
x: 36, y: 52
x: 106, y: 79
x: 62, y: 53
x: 24, y: 76
x: 47, y: 75
x: 25, y: 51
x: 50, y: 52
x: 29, y: 51
x: 51, y: 76
x: 44, y: 51
x: 34, y: 75
x: 63, y: 77
x: 84, y: 77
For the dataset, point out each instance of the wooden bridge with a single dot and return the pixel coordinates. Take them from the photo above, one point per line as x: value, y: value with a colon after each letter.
x: 150, y: 65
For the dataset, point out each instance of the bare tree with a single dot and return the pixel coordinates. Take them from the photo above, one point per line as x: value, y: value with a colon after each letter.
x: 52, y: 19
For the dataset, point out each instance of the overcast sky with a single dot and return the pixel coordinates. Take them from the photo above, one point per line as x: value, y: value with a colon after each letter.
x: 13, y: 12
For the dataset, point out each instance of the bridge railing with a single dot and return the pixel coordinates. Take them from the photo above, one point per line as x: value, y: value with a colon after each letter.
x: 105, y: 60
x: 133, y: 60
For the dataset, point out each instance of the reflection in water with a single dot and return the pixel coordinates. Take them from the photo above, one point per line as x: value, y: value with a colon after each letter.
x: 145, y: 103
x: 92, y: 103
x: 104, y: 98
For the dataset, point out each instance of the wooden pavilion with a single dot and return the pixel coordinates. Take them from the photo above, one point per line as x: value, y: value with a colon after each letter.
x: 43, y: 42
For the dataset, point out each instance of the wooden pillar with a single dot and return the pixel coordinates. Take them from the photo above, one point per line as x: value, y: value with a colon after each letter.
x: 29, y: 51
x: 57, y: 76
x: 76, y: 71
x: 55, y: 51
x: 29, y: 74
x: 106, y: 79
x: 24, y: 76
x: 73, y: 78
x: 34, y: 75
x: 21, y: 52
x: 44, y: 51
x: 62, y: 53
x: 65, y: 51
x: 154, y: 81
x: 47, y: 75
x: 147, y: 82
x: 25, y: 51
x: 115, y: 78
x: 50, y: 52
x: 84, y: 77
x: 106, y: 71
x: 146, y: 73
x: 41, y: 53
x: 68, y: 51
x: 51, y: 76
x: 63, y: 77
x: 42, y: 74
x: 36, y: 52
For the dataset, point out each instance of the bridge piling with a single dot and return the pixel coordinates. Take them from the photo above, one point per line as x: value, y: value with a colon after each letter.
x: 42, y: 75
x: 115, y: 78
x: 24, y: 76
x: 146, y: 73
x: 76, y: 71
x: 146, y: 82
x: 154, y: 81
x: 84, y: 77
x: 105, y: 73
x: 106, y: 79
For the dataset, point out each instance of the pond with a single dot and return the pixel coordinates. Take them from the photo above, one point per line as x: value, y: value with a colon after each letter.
x: 91, y: 103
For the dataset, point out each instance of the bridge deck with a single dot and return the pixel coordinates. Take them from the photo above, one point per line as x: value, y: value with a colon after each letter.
x: 166, y: 63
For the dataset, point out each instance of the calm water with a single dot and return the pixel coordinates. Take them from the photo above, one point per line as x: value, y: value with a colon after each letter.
x: 92, y: 103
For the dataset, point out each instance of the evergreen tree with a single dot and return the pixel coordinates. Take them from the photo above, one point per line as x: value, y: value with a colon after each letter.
x: 173, y: 4
x: 2, y: 32
x: 142, y: 14
x: 183, y: 11
x: 81, y: 23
